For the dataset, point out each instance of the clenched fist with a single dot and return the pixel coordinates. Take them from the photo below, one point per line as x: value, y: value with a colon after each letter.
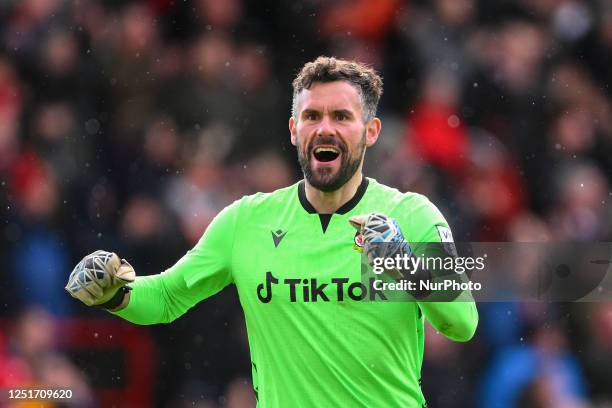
x: 97, y: 278
x: 382, y: 236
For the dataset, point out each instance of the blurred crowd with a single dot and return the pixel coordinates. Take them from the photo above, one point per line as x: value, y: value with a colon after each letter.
x: 127, y: 125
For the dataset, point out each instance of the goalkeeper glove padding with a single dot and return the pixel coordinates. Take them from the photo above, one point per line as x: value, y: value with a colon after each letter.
x: 99, y: 279
x: 382, y: 236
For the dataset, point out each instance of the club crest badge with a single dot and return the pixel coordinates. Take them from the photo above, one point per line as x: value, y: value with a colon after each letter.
x: 358, y: 244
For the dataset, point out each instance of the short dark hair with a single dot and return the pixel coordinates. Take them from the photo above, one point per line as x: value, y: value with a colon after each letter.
x: 330, y: 69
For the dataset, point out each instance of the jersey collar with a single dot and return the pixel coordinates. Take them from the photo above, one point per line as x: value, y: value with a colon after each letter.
x: 346, y: 207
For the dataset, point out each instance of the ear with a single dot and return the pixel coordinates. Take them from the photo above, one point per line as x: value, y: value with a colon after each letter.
x: 372, y: 131
x: 293, y: 131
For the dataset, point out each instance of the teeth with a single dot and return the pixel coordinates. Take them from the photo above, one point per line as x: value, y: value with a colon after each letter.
x: 325, y: 149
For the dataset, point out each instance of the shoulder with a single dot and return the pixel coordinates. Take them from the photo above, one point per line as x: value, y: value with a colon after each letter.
x: 277, y: 198
x: 406, y: 202
x: 414, y: 211
x: 258, y: 206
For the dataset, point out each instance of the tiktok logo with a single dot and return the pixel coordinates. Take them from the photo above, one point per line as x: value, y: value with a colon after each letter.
x: 311, y: 290
x: 270, y: 279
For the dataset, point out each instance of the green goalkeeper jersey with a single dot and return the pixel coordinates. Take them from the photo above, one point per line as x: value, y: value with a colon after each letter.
x: 316, y: 338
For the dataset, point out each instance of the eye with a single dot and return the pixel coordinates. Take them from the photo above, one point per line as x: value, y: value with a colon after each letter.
x: 312, y: 116
x: 341, y: 116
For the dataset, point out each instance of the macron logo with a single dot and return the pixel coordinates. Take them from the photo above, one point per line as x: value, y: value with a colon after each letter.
x: 277, y: 236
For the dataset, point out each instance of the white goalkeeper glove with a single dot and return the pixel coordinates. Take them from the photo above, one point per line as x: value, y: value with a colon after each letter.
x: 100, y: 278
x: 382, y: 237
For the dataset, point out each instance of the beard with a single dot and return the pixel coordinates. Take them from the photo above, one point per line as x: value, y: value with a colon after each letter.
x: 327, y: 179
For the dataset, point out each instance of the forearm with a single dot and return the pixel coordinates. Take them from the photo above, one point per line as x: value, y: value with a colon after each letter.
x: 150, y: 302
x: 456, y: 320
x: 451, y: 312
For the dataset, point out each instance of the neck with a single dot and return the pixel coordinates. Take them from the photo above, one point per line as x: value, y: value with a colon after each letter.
x: 329, y: 202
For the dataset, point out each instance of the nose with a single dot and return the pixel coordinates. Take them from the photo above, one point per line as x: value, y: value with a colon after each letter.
x: 326, y: 127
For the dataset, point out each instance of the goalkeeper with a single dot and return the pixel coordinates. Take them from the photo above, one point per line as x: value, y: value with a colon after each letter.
x: 316, y: 337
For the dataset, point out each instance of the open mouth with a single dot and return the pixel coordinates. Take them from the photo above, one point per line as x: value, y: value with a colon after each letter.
x: 326, y: 154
